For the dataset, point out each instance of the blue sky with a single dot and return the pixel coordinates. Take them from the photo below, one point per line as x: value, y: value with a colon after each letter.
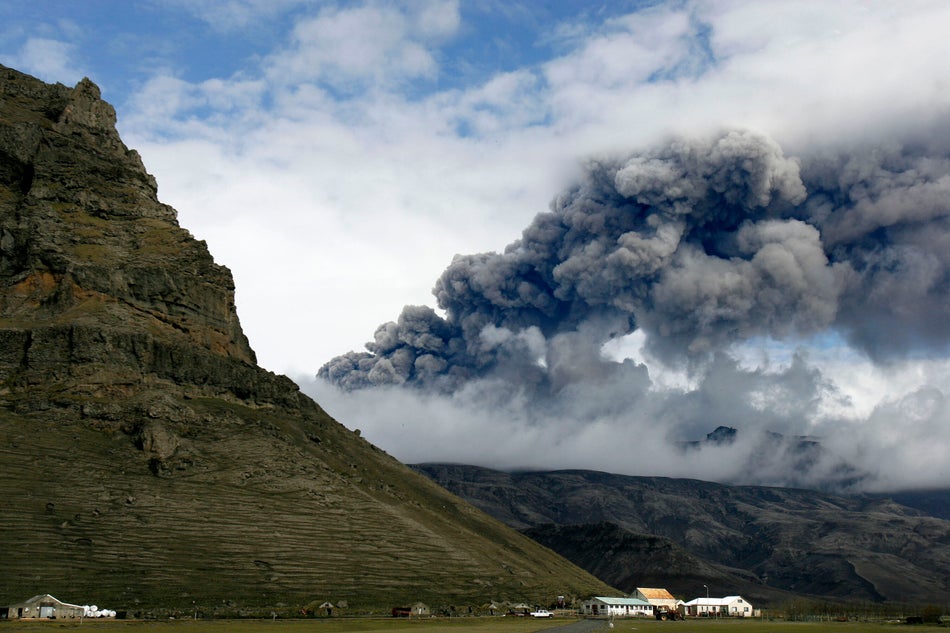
x: 124, y: 43
x: 337, y: 155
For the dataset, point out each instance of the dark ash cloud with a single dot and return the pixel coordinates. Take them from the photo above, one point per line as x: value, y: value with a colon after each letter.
x: 699, y: 244
x: 699, y: 247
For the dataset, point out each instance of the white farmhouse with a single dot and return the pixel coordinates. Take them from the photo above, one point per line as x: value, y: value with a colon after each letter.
x: 603, y: 606
x: 733, y: 606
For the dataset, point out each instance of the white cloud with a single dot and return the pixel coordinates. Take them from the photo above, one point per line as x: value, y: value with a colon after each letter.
x: 803, y: 72
x: 632, y: 49
x: 435, y: 19
x: 169, y: 108
x: 376, y: 43
x: 47, y: 58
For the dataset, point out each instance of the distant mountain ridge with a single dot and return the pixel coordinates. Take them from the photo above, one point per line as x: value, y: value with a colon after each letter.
x: 147, y: 464
x: 763, y: 542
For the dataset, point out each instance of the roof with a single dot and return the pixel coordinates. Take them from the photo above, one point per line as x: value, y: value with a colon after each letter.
x: 655, y: 594
x: 713, y: 602
x: 45, y: 596
x: 40, y: 596
x: 633, y: 602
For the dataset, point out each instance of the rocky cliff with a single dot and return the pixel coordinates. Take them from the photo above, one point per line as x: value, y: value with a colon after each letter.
x: 99, y: 279
x: 146, y: 462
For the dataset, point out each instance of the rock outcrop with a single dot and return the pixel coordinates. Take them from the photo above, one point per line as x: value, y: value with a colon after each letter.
x: 102, y: 286
x: 146, y: 461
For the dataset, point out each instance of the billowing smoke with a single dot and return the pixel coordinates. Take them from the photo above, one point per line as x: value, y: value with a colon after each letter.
x: 697, y: 246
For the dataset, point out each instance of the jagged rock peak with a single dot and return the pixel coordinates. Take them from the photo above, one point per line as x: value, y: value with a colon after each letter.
x: 32, y: 105
x: 94, y: 270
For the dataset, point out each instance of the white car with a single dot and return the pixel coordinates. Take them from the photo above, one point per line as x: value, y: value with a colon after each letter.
x: 541, y: 613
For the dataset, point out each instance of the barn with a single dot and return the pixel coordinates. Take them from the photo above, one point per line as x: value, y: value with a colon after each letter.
x: 43, y: 606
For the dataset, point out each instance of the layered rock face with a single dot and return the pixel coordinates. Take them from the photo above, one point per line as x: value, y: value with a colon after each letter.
x: 146, y: 463
x: 101, y: 284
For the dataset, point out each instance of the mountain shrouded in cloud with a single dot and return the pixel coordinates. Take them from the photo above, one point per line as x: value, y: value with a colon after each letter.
x: 700, y: 244
x: 699, y: 249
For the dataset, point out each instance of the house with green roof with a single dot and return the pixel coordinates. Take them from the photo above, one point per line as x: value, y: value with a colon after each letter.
x: 604, y: 606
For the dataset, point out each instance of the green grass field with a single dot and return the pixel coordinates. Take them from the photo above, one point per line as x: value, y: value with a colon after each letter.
x: 455, y: 625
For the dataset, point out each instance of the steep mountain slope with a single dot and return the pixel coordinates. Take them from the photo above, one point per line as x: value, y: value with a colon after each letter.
x: 146, y: 462
x: 792, y: 540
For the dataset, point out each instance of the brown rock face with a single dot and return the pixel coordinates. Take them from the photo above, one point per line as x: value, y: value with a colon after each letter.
x: 84, y: 238
x: 103, y: 291
x: 146, y: 463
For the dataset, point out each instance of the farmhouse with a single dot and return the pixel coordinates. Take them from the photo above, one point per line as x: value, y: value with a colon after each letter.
x: 43, y: 606
x: 734, y: 606
x: 616, y: 607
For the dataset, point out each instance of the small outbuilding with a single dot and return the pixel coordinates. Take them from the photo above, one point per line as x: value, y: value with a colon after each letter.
x: 519, y: 608
x: 416, y: 610
x: 420, y: 609
x: 43, y: 606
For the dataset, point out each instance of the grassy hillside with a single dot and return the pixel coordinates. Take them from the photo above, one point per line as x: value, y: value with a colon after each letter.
x: 251, y: 510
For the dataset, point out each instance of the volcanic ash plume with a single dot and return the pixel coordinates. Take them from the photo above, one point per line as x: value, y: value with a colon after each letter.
x: 699, y: 245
